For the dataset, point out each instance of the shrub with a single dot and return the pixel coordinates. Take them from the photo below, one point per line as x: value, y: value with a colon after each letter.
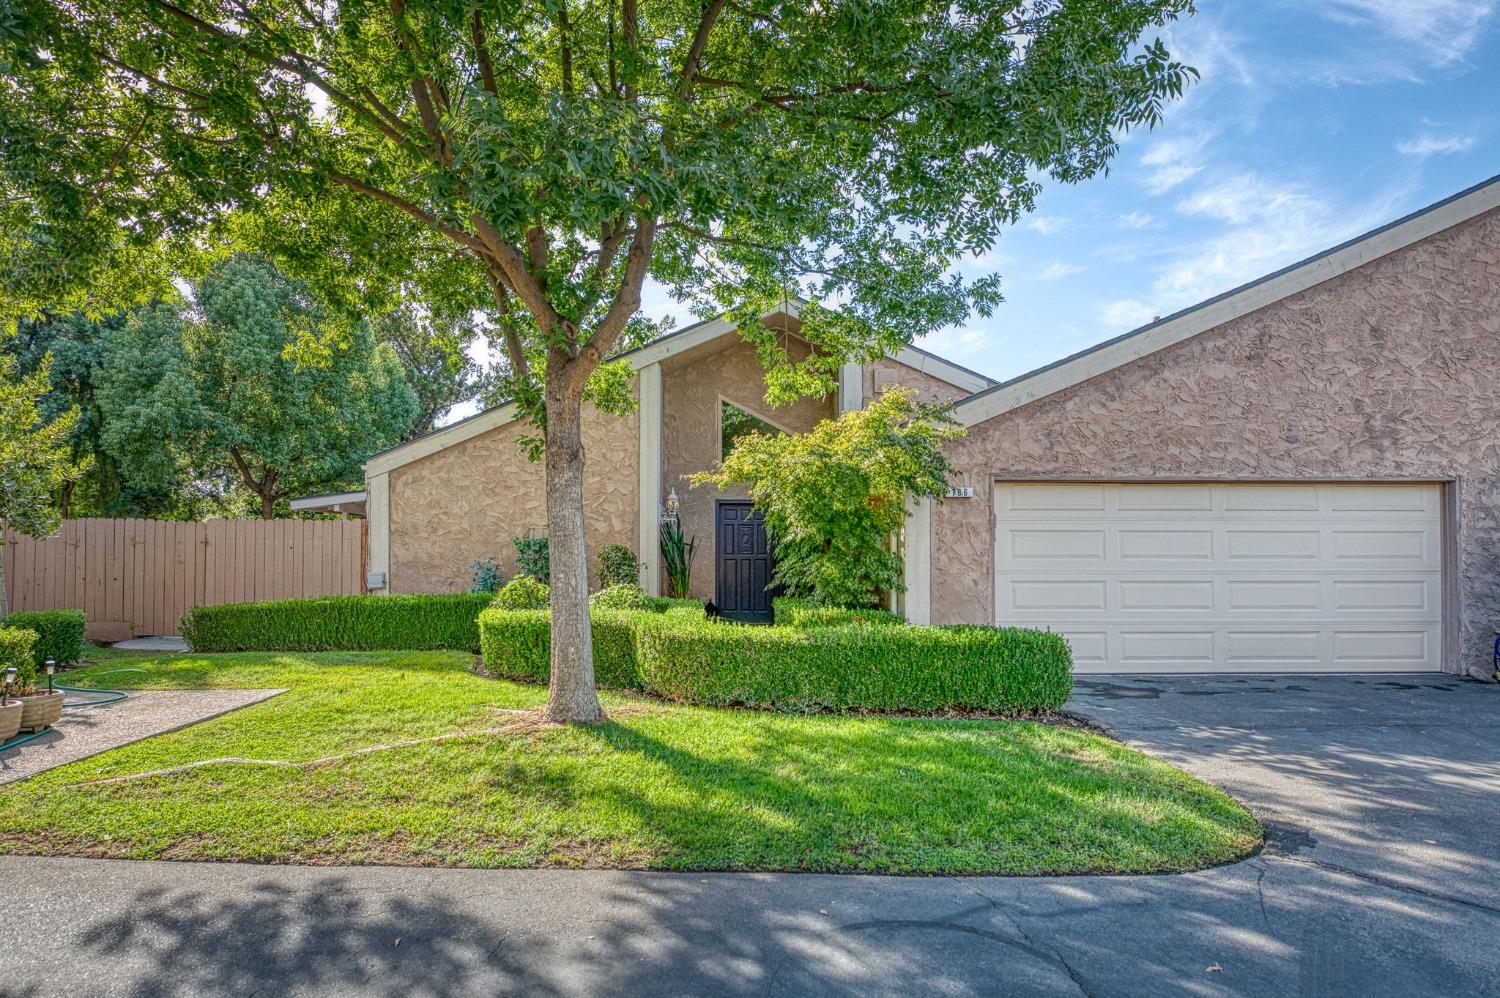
x: 618, y: 566
x: 487, y: 576
x: 534, y: 557
x: 517, y: 644
x: 671, y: 651
x: 622, y: 596
x: 59, y: 633
x: 799, y: 613
x: 856, y: 667
x: 339, y: 623
x: 522, y: 593
x: 677, y: 558
x: 16, y: 649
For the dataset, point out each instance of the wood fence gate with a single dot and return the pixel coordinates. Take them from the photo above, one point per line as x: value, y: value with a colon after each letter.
x: 136, y: 577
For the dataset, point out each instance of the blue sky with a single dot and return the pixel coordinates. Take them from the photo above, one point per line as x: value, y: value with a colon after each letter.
x: 1314, y: 121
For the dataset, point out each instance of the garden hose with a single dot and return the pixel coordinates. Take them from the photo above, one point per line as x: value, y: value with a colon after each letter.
x: 106, y: 696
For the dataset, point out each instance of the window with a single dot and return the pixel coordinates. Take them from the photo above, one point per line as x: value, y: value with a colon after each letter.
x: 735, y: 423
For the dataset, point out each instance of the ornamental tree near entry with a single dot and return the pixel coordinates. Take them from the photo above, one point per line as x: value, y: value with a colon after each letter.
x: 834, y: 496
x: 739, y: 152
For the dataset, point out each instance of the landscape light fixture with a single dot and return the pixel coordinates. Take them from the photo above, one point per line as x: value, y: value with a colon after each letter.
x: 49, y: 667
x: 10, y: 677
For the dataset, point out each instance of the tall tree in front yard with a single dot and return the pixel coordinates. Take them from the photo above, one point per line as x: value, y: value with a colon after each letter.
x: 35, y: 458
x: 739, y: 152
x: 219, y: 388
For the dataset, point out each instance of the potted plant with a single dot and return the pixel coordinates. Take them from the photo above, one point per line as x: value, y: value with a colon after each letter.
x: 39, y: 707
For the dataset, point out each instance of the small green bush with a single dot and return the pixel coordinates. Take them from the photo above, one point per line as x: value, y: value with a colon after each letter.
x: 16, y: 644
x: 621, y: 596
x: 487, y: 576
x: 339, y: 623
x: 59, y: 633
x: 800, y: 613
x: 522, y: 593
x: 672, y: 651
x: 534, y: 558
x: 618, y: 566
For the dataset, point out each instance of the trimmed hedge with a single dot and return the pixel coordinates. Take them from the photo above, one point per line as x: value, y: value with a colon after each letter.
x: 517, y: 644
x: 339, y: 623
x: 16, y: 645
x: 680, y: 656
x: 59, y: 633
x: 800, y: 613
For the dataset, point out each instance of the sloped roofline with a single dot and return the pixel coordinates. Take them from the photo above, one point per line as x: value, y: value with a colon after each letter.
x: 654, y: 352
x: 1247, y: 298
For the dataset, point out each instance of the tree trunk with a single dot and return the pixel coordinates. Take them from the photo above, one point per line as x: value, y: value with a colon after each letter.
x: 572, y: 697
x: 267, y: 505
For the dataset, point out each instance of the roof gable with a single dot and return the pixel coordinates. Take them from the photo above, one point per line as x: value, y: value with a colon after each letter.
x: 1216, y: 311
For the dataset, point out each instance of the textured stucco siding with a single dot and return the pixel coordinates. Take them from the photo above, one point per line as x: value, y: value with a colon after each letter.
x: 927, y: 387
x: 1389, y: 371
x: 691, y: 392
x: 466, y: 502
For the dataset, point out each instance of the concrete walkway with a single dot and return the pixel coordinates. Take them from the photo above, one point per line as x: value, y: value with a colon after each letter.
x: 159, y: 642
x: 1318, y: 913
x: 86, y: 731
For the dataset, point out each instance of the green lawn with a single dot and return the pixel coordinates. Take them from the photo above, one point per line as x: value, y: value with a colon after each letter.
x: 660, y: 786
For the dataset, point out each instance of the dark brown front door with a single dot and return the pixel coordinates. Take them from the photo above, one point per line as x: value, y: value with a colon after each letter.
x: 743, y: 563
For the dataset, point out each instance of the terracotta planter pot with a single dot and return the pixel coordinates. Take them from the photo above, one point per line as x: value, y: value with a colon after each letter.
x: 10, y: 720
x: 40, y: 710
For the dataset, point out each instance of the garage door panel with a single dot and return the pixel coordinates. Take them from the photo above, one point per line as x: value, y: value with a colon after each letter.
x: 1158, y: 544
x: 1225, y: 577
x: 1271, y: 498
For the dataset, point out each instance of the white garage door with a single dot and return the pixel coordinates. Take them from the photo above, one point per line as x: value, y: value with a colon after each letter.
x: 1218, y: 577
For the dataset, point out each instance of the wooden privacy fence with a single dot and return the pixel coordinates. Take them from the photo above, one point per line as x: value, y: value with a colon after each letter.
x: 135, y: 577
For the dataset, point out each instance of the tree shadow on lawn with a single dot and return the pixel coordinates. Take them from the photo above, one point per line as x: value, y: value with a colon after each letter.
x: 915, y: 796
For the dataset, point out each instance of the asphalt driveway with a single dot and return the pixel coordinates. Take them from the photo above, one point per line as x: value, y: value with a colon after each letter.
x: 1382, y: 794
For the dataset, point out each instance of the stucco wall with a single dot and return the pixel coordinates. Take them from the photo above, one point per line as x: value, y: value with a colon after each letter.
x: 927, y: 387
x: 467, y: 501
x: 691, y: 391
x: 1388, y: 371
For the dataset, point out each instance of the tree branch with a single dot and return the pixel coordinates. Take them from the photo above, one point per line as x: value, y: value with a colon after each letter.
x: 420, y: 214
x: 482, y: 53
x: 711, y: 11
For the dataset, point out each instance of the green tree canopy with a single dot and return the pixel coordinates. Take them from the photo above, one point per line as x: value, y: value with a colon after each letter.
x: 835, y: 496
x: 435, y: 351
x: 740, y: 152
x: 216, y: 387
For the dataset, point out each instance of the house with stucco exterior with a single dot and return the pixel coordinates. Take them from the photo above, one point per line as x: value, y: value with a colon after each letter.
x: 1300, y: 475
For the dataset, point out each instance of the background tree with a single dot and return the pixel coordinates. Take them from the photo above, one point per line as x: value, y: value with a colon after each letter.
x: 739, y: 151
x: 35, y: 461
x: 835, y: 496
x: 437, y: 354
x: 217, y: 388
x: 72, y: 348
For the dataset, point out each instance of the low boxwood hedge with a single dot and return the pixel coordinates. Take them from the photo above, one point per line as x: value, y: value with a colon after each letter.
x: 59, y: 633
x: 680, y: 656
x: 339, y: 623
x: 799, y: 613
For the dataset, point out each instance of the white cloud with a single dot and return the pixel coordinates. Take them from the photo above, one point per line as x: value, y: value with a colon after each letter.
x: 1442, y: 30
x: 1125, y: 314
x: 1136, y: 220
x: 1265, y: 225
x: 1057, y: 270
x: 1432, y: 144
x: 1047, y: 225
x: 956, y: 343
x: 1172, y: 161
